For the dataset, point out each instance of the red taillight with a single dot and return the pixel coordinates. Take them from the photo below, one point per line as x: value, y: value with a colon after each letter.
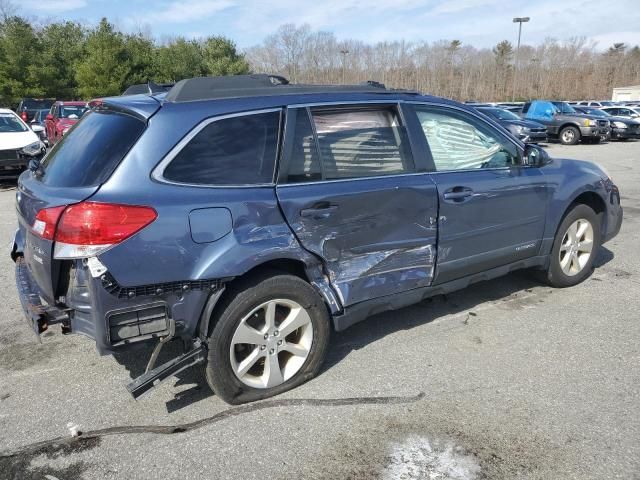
x: 88, y: 228
x: 46, y: 221
x: 24, y: 116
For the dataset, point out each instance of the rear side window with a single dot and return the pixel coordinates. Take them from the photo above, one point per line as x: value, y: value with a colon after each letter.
x: 304, y: 160
x: 362, y: 143
x: 89, y: 153
x: 230, y: 151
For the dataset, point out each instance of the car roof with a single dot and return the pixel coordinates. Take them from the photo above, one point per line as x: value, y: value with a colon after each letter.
x: 147, y: 105
x: 7, y: 110
x: 71, y: 102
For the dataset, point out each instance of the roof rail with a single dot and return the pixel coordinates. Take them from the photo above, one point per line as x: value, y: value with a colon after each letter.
x: 149, y: 88
x: 238, y: 86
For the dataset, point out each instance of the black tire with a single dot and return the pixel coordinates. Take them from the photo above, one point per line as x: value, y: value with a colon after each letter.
x: 554, y: 275
x: 241, y: 300
x: 569, y: 135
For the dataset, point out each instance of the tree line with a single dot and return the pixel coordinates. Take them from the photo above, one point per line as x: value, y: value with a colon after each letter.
x: 572, y: 70
x: 66, y: 60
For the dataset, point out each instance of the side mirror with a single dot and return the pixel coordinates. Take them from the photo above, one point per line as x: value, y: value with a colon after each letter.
x: 37, y: 128
x: 535, y: 156
x: 49, y: 117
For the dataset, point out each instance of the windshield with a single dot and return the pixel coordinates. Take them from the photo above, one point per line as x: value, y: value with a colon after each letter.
x: 9, y: 123
x: 500, y: 113
x: 564, y: 107
x: 72, y: 111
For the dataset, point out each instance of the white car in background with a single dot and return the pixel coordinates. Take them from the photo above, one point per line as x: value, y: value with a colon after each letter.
x: 18, y: 144
x: 626, y: 112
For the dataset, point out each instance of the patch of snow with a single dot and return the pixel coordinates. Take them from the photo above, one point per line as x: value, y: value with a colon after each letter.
x: 419, y: 458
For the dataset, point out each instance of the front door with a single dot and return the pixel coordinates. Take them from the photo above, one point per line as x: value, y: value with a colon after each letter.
x: 349, y: 189
x: 492, y: 208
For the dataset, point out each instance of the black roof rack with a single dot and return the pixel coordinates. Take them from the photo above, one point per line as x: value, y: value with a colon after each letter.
x: 149, y: 88
x: 237, y: 86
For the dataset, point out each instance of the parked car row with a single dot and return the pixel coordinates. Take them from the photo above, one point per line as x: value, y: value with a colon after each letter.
x: 604, y: 103
x: 539, y: 120
x: 35, y: 125
x: 56, y: 117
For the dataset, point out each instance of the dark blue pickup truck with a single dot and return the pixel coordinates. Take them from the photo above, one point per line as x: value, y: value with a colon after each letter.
x: 248, y: 218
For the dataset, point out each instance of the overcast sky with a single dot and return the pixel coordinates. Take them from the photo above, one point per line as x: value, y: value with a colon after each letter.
x: 478, y: 22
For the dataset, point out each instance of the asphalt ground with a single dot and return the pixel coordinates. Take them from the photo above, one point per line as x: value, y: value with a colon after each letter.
x: 508, y: 379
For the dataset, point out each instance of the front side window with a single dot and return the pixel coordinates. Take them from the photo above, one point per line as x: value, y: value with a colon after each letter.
x: 238, y: 150
x: 362, y: 143
x: 461, y: 142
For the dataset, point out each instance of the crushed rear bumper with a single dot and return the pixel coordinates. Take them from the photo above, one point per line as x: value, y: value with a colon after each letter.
x: 38, y: 316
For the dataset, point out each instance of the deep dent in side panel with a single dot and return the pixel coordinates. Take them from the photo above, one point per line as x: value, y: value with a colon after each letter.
x: 359, y: 276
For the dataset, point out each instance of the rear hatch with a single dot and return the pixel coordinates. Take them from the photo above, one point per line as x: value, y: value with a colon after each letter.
x: 70, y: 173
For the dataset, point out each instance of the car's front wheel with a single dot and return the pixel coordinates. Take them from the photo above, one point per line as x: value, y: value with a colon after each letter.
x: 569, y: 136
x: 271, y: 335
x: 574, y: 248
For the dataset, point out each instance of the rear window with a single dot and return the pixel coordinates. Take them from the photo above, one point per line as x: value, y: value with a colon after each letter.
x: 89, y: 153
x: 230, y: 151
x: 37, y: 104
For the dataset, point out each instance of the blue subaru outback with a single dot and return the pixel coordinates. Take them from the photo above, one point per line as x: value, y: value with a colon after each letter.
x: 249, y: 218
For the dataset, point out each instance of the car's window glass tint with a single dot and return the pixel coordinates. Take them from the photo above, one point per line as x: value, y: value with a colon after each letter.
x: 458, y: 142
x: 231, y: 151
x: 304, y: 163
x: 91, y: 150
x: 10, y: 123
x: 362, y: 143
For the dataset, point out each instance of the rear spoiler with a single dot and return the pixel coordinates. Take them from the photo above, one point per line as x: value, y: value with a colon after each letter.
x: 149, y: 88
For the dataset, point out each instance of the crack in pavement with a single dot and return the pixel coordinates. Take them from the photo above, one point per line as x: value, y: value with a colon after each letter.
x: 64, y: 443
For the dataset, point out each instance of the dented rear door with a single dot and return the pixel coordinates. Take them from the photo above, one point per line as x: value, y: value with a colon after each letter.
x: 349, y: 189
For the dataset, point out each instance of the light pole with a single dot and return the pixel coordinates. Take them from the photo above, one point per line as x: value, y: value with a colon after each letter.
x: 519, y: 21
x: 344, y: 61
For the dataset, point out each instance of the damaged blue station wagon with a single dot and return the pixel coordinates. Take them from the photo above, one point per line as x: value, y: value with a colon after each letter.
x: 249, y: 217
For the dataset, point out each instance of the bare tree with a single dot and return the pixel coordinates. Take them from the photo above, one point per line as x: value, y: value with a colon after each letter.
x: 573, y: 69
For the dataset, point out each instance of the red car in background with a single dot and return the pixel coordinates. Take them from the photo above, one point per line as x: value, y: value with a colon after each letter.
x: 61, y: 117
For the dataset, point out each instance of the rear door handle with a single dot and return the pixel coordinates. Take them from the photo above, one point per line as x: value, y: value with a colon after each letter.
x: 319, y: 210
x: 458, y: 194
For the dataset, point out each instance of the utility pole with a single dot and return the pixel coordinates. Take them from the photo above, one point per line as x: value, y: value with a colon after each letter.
x: 344, y: 62
x: 519, y: 21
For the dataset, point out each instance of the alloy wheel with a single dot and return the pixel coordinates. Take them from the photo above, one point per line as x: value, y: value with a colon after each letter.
x: 271, y: 344
x: 577, y: 245
x: 568, y: 136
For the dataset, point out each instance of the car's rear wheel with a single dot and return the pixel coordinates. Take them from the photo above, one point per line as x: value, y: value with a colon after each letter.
x: 569, y: 136
x: 574, y: 248
x: 271, y: 335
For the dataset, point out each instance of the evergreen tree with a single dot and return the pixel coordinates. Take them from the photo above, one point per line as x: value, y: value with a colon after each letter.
x: 106, y: 66
x: 220, y: 57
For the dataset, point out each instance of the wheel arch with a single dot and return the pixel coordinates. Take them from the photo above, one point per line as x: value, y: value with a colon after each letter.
x: 569, y: 124
x: 312, y: 274
x: 589, y: 198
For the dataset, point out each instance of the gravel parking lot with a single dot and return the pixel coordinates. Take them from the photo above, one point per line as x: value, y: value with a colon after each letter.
x: 508, y: 379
